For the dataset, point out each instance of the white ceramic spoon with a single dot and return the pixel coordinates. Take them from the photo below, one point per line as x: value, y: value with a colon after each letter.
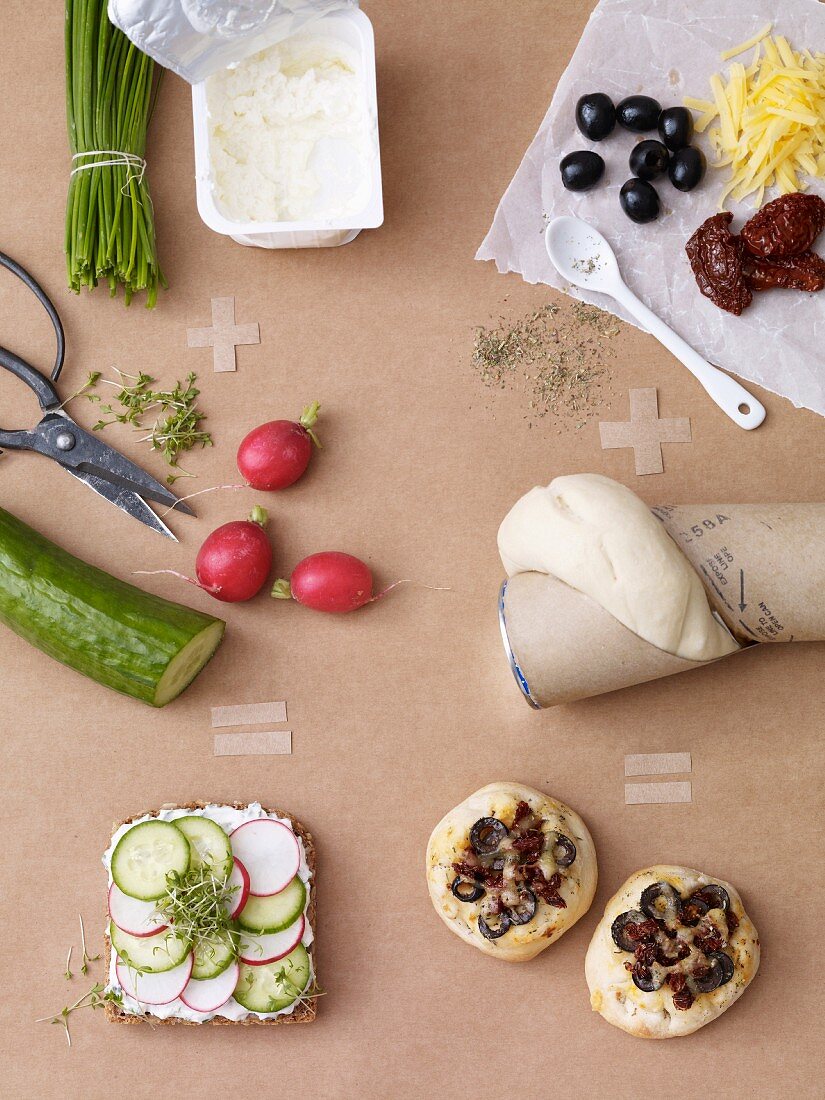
x: 583, y: 257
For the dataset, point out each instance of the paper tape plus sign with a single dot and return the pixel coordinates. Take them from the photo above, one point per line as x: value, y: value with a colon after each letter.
x: 225, y: 335
x: 645, y: 432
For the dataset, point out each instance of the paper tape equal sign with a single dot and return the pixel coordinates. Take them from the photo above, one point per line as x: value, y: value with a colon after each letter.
x: 658, y: 793
x: 248, y: 714
x: 269, y: 743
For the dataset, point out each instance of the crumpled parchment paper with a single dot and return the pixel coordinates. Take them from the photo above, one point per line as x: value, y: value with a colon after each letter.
x: 666, y: 49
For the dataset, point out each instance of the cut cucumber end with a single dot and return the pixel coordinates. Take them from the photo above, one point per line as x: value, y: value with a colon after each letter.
x: 185, y: 666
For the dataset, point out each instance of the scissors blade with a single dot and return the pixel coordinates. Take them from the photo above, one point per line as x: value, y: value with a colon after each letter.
x: 92, y: 456
x: 126, y: 499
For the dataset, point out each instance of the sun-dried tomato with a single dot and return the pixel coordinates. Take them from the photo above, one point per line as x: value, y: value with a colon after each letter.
x: 803, y: 272
x: 643, y: 930
x: 709, y: 941
x: 787, y: 226
x: 529, y: 845
x: 682, y: 952
x: 645, y: 953
x: 676, y: 981
x: 683, y: 1000
x: 715, y: 255
x: 522, y: 810
x: 732, y: 921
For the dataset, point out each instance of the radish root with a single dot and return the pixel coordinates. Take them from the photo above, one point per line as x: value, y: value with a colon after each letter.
x: 175, y: 573
x: 200, y: 492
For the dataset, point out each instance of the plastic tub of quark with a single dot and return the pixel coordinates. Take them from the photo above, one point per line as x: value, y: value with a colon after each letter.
x: 354, y: 30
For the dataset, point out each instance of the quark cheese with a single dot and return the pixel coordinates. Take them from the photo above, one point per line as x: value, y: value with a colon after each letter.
x: 290, y: 133
x: 229, y: 818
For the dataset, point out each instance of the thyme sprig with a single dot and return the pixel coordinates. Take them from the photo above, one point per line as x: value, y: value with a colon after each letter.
x: 87, y: 958
x: 176, y: 427
x: 94, y: 998
x: 197, y: 905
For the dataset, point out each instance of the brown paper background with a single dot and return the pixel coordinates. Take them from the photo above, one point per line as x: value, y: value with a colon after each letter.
x: 402, y: 710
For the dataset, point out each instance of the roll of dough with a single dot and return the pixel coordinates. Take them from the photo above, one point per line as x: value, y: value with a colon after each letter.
x: 599, y: 538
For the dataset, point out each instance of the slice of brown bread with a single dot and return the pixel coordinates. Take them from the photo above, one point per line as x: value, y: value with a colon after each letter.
x: 306, y: 1010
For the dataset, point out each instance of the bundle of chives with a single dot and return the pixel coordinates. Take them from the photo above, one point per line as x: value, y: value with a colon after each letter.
x: 110, y: 96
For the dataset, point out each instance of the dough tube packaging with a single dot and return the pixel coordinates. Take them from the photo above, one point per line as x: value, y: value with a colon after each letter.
x: 761, y: 568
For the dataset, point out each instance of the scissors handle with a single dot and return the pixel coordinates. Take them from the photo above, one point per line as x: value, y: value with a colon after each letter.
x: 41, y: 385
x: 37, y: 290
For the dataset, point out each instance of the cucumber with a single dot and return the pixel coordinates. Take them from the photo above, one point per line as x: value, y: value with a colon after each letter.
x: 209, y: 845
x: 276, y: 912
x: 214, y: 955
x: 112, y: 632
x: 276, y: 985
x: 145, y: 855
x: 149, y: 954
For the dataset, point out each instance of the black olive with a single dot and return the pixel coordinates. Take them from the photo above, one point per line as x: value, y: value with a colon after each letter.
x: 467, y: 891
x: 581, y: 170
x: 686, y: 168
x: 726, y: 962
x: 524, y: 912
x: 648, y: 159
x: 638, y: 113
x: 501, y: 924
x: 595, y: 115
x: 487, y: 834
x: 617, y: 930
x: 646, y: 979
x: 661, y: 902
x: 676, y: 127
x: 714, y: 896
x: 564, y: 850
x: 693, y: 910
x: 719, y: 971
x: 639, y: 200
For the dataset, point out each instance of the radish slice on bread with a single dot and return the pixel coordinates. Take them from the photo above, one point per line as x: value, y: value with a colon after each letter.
x: 269, y: 851
x: 239, y: 881
x: 259, y: 950
x: 138, y: 918
x: 155, y: 989
x: 211, y: 994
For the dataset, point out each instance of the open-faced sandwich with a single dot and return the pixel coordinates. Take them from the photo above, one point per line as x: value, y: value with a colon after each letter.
x: 674, y: 949
x: 510, y: 869
x: 211, y: 917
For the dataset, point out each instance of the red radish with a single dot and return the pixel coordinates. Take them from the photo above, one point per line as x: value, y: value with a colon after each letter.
x: 234, y: 561
x: 269, y: 851
x: 239, y: 878
x: 155, y: 989
x: 260, y: 950
x: 210, y: 994
x: 330, y: 581
x: 276, y: 454
x: 138, y: 918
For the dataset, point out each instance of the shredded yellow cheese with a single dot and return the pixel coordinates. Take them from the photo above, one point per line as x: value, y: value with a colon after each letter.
x: 769, y: 118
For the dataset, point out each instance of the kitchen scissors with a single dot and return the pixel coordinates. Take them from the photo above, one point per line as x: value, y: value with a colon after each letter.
x: 82, y: 454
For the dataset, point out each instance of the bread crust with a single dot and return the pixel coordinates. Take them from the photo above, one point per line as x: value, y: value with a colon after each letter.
x: 452, y: 835
x: 653, y: 1015
x: 305, y: 1013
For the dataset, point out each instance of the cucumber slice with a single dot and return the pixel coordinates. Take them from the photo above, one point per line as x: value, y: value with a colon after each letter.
x: 209, y: 845
x: 144, y: 857
x: 276, y: 985
x: 110, y: 631
x: 214, y: 955
x: 149, y: 954
x: 276, y: 912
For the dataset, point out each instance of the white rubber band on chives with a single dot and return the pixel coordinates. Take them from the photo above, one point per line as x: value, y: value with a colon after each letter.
x: 136, y: 164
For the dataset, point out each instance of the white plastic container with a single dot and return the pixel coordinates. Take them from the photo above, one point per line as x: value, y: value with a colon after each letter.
x: 355, y: 30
